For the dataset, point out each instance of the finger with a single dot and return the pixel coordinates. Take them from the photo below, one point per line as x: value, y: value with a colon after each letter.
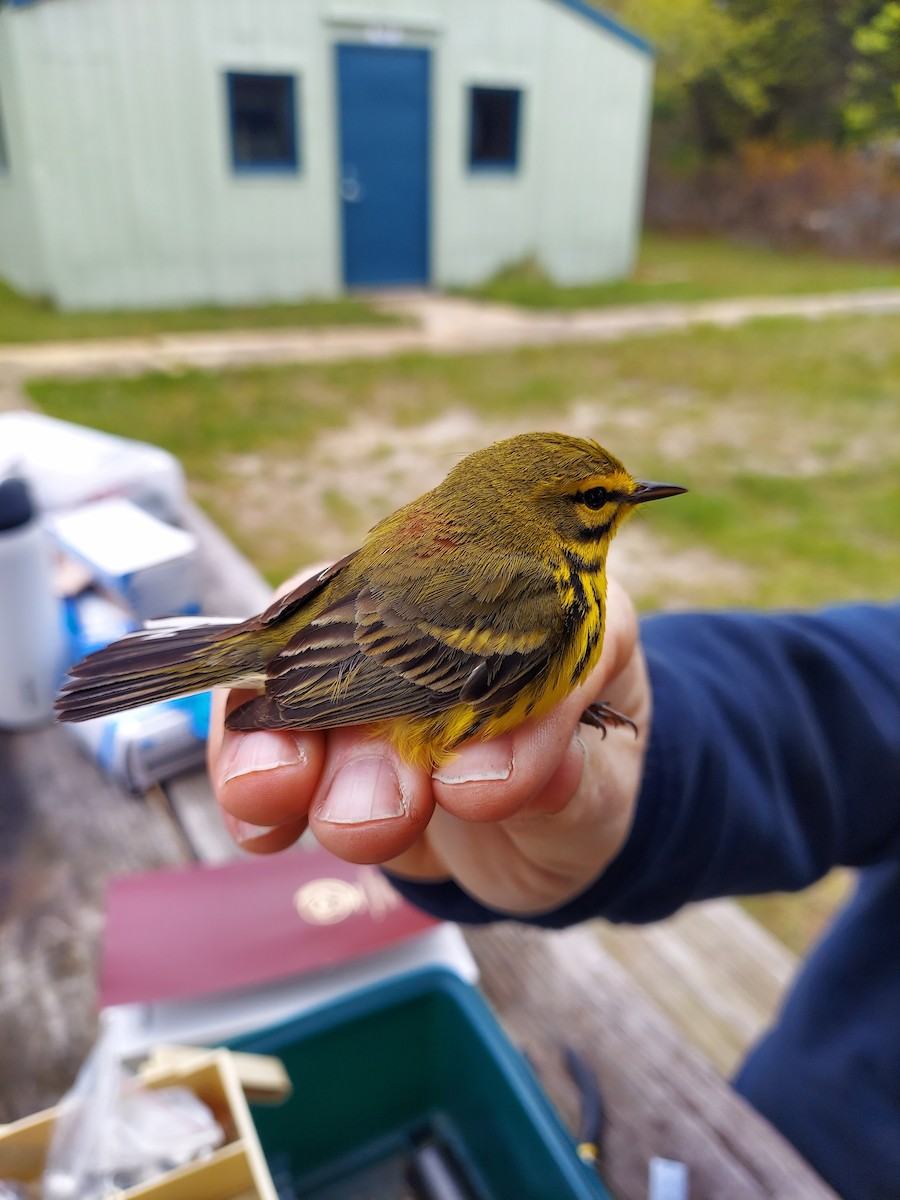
x: 563, y: 851
x: 613, y: 679
x: 370, y: 806
x: 552, y: 848
x: 460, y: 848
x: 422, y: 861
x: 467, y: 787
x: 264, y: 839
x: 263, y: 780
x: 535, y: 767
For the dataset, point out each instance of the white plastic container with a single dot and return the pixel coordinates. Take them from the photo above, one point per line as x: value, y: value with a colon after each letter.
x: 32, y: 644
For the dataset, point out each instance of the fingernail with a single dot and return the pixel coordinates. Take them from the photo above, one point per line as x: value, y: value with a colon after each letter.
x: 364, y: 789
x: 262, y: 750
x: 481, y: 762
x: 243, y: 831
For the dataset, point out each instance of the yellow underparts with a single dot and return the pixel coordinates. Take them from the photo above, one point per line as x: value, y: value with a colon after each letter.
x: 428, y: 742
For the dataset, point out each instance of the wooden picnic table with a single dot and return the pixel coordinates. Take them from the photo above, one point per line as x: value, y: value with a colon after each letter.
x: 65, y: 829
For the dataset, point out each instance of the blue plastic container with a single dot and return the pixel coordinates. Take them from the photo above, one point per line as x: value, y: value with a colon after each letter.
x: 419, y: 1057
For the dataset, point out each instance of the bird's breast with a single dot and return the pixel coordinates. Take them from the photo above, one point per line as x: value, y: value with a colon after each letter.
x: 582, y: 588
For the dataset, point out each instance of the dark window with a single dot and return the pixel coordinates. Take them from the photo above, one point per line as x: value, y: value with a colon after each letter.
x: 494, y: 127
x: 263, y: 122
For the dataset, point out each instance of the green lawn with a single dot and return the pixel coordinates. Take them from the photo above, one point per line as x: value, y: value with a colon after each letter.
x: 681, y: 269
x: 670, y: 268
x: 25, y: 320
x: 786, y: 432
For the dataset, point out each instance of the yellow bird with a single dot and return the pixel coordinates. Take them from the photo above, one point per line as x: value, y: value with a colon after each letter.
x: 465, y: 612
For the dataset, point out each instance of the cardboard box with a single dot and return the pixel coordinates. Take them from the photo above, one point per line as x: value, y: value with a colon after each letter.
x: 236, y: 1171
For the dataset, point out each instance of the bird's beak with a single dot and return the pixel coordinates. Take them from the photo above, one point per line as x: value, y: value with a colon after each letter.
x: 653, y: 491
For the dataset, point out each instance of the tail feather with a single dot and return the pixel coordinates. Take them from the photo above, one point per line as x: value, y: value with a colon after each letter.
x: 159, y: 662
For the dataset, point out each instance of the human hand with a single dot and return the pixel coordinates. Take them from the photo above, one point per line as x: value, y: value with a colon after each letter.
x: 522, y: 823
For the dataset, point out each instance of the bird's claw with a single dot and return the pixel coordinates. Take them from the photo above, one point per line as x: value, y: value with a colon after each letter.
x: 600, y: 715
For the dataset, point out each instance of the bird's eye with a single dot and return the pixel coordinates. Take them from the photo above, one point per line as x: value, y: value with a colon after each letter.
x: 594, y: 497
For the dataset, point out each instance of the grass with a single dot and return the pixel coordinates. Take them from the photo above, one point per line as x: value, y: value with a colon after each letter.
x: 683, y: 269
x: 787, y: 433
x: 669, y: 269
x: 797, y: 919
x: 23, y: 319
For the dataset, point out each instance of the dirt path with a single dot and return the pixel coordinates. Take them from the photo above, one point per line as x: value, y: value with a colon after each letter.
x: 439, y: 325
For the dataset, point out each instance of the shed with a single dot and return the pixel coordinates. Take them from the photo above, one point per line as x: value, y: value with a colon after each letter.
x: 177, y: 152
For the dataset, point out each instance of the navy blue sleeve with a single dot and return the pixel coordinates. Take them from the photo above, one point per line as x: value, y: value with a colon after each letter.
x: 774, y: 755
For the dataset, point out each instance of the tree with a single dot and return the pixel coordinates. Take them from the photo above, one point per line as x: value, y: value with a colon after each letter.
x: 793, y: 70
x: 874, y: 103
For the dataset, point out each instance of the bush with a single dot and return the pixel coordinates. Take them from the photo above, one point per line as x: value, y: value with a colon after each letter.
x: 843, y: 201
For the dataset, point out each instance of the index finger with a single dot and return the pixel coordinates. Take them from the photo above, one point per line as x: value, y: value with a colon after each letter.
x: 264, y: 780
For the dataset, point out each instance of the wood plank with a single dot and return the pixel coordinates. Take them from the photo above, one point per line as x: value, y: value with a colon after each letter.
x: 716, y: 972
x: 194, y: 808
x: 662, y: 1096
x: 65, y: 830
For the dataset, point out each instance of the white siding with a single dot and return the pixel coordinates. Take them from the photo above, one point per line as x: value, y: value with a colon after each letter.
x: 593, y: 153
x: 138, y: 201
x: 575, y: 202
x: 21, y: 261
x: 121, y: 191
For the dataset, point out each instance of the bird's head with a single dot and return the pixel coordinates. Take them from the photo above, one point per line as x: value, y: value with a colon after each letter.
x: 572, y: 484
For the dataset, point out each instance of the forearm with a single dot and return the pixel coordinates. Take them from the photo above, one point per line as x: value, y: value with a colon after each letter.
x: 775, y: 755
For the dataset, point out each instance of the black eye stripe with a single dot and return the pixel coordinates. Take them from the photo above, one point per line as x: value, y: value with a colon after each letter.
x: 594, y: 497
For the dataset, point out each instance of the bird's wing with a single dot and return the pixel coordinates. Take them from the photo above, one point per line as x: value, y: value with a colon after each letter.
x: 465, y: 634
x: 285, y: 607
x: 482, y: 622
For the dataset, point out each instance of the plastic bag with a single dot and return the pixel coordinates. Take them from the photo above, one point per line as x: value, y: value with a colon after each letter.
x: 113, y: 1132
x: 12, y: 1189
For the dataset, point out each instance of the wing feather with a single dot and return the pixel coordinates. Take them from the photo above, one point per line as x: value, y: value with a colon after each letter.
x: 414, y: 649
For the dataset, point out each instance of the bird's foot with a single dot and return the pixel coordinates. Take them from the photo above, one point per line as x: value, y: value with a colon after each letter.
x: 600, y: 715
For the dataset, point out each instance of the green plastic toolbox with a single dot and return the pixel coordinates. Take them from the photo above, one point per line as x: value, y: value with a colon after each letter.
x: 416, y: 1065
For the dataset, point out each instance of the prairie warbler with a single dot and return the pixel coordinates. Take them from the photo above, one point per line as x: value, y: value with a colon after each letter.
x: 463, y: 613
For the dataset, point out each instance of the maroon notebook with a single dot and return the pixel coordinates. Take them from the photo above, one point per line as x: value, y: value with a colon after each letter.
x: 191, y: 931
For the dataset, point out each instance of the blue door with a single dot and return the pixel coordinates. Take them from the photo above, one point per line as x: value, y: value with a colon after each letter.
x: 383, y: 115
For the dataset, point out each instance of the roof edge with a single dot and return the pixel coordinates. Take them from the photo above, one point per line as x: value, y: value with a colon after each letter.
x: 597, y: 17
